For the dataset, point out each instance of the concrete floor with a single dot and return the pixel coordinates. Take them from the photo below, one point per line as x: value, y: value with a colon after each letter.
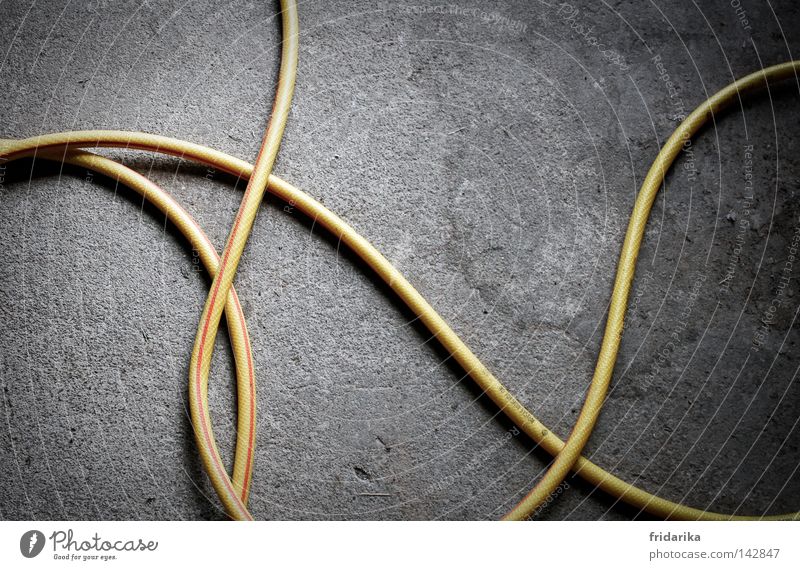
x: 493, y: 155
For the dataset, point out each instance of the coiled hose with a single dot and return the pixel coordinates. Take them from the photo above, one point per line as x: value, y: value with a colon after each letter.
x: 233, y: 490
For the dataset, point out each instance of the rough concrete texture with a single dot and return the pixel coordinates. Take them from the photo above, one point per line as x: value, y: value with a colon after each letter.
x: 494, y: 161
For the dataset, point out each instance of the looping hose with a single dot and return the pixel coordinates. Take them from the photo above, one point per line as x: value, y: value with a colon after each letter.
x: 233, y: 491
x: 223, y: 281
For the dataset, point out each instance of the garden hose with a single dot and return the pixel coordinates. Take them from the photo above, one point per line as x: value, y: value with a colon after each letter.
x: 233, y: 490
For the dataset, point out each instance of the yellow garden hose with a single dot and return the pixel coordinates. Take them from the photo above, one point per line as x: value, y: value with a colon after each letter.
x: 229, y: 260
x: 233, y: 491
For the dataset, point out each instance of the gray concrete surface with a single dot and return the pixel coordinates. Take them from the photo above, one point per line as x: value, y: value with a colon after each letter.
x: 492, y: 153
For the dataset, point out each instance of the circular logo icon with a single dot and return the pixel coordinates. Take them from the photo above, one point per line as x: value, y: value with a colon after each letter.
x: 31, y: 543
